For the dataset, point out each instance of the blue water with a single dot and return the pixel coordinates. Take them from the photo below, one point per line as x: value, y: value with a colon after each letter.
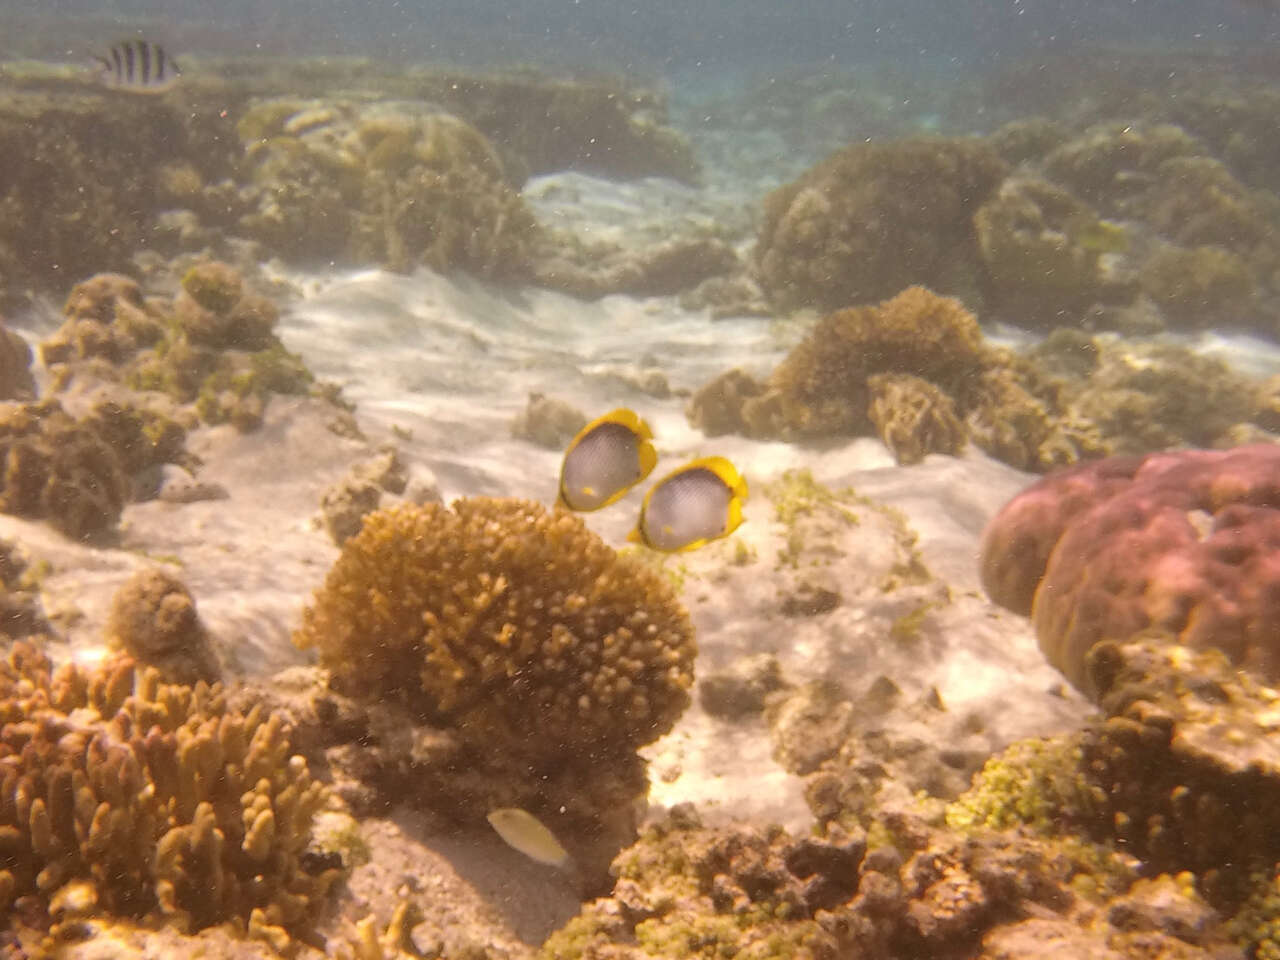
x: 657, y: 37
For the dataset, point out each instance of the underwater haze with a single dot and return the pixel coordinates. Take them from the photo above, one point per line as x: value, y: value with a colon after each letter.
x: 567, y: 480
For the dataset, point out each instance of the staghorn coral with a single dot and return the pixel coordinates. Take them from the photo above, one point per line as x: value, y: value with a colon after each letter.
x: 1187, y: 542
x: 153, y: 618
x: 913, y: 417
x: 874, y: 218
x: 516, y: 627
x: 156, y: 801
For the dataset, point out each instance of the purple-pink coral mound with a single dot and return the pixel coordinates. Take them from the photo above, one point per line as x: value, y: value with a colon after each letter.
x: 1187, y: 543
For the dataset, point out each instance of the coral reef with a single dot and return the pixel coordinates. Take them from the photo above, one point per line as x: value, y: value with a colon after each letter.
x: 685, y: 890
x: 913, y: 417
x: 493, y: 654
x: 16, y: 382
x: 211, y: 347
x: 874, y: 218
x: 1185, y: 542
x: 1199, y: 287
x: 548, y: 422
x: 515, y: 626
x: 153, y: 618
x: 400, y: 184
x: 591, y: 271
x: 59, y: 468
x: 1041, y: 250
x: 821, y: 388
x: 1185, y: 761
x: 145, y: 800
x: 21, y: 612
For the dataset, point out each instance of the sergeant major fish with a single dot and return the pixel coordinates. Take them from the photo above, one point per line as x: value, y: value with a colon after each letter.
x: 138, y: 66
x: 691, y: 506
x: 608, y: 457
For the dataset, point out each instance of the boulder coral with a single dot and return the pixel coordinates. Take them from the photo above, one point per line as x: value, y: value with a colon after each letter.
x: 514, y: 627
x: 59, y: 468
x: 153, y: 618
x: 1186, y: 542
x: 398, y: 183
x: 150, y: 801
x: 1041, y: 251
x: 874, y: 218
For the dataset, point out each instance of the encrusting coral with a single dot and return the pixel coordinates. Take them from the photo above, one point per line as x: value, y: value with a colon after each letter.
x: 152, y: 801
x: 874, y: 218
x: 517, y: 627
x: 1185, y: 542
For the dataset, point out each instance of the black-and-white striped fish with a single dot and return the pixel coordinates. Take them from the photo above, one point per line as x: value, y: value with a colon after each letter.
x: 138, y: 66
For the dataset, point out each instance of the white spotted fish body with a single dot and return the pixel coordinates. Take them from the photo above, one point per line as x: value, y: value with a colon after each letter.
x: 698, y: 503
x: 608, y: 457
x: 522, y: 831
x: 138, y: 66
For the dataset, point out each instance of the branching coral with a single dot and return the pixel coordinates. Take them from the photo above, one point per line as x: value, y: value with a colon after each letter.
x: 167, y: 803
x: 821, y: 387
x: 875, y: 218
x: 517, y: 627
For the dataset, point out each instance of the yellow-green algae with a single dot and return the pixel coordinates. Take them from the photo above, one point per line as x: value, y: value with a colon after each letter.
x: 1036, y: 783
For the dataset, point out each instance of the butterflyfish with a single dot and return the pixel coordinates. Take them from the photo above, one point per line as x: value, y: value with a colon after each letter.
x: 138, y: 66
x: 522, y: 831
x: 608, y: 457
x: 700, y: 502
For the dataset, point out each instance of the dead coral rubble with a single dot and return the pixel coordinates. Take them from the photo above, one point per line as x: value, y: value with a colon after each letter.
x: 685, y: 890
x: 154, y: 801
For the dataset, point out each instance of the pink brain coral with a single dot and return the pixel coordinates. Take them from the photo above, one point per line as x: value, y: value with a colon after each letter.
x: 1186, y: 542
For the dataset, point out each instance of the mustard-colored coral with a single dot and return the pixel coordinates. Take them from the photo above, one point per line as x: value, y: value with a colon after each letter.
x: 821, y: 389
x: 512, y: 625
x: 170, y: 804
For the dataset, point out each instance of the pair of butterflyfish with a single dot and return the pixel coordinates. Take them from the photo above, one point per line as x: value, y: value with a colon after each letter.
x: 138, y: 66
x: 693, y: 505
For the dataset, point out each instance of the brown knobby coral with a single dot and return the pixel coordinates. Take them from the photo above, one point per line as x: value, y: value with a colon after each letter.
x: 518, y: 628
x: 874, y: 218
x: 169, y: 804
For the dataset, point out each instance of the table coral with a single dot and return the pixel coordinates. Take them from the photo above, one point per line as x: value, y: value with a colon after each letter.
x: 1187, y: 542
x: 516, y: 627
x: 875, y: 218
x: 157, y: 800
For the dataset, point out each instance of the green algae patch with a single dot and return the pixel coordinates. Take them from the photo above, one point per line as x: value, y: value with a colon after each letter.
x: 1035, y: 783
